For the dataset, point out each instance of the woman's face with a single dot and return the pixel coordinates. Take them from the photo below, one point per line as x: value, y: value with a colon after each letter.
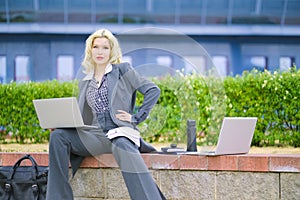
x: 101, y: 51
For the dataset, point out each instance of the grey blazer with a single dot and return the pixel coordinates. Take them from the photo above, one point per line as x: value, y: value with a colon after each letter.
x: 123, y: 83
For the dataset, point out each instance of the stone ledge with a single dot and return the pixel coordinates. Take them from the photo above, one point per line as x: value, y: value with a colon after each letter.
x: 243, y: 163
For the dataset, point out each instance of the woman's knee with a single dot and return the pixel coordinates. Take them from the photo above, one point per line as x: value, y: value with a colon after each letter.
x: 124, y: 144
x: 58, y: 135
x: 128, y: 156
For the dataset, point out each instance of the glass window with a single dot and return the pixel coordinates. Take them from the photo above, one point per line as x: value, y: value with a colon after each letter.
x: 243, y: 8
x: 285, y: 63
x: 2, y: 7
x: 244, y: 12
x: 221, y: 64
x: 79, y: 5
x: 79, y: 11
x: 195, y: 64
x: 165, y: 61
x: 190, y: 11
x: 292, y: 12
x: 271, y: 11
x: 65, y: 68
x: 107, y: 11
x: 51, y: 5
x: 21, y: 11
x: 134, y: 6
x: 217, y: 11
x: 51, y: 11
x: 2, y: 69
x: 273, y: 7
x: 136, y: 11
x: 259, y: 62
x: 163, y: 12
x: 22, y: 67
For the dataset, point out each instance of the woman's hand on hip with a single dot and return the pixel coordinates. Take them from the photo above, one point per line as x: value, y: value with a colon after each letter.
x: 123, y: 116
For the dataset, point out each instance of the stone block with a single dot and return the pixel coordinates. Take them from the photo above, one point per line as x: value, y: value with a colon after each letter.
x: 247, y: 186
x: 177, y: 184
x: 81, y: 198
x: 88, y: 183
x: 290, y: 186
x: 115, y: 185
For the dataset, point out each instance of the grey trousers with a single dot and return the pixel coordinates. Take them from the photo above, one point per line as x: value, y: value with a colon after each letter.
x: 63, y: 142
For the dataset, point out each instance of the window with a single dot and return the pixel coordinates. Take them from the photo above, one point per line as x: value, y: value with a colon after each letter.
x: 2, y: 69
x: 65, y: 68
x: 221, y: 64
x: 217, y: 11
x: 20, y: 11
x: 259, y: 62
x: 107, y: 11
x: 22, y: 67
x: 285, y: 63
x: 195, y: 64
x: 79, y: 11
x: 165, y: 61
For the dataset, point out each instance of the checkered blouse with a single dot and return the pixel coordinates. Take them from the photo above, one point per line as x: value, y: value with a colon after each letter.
x: 97, y: 95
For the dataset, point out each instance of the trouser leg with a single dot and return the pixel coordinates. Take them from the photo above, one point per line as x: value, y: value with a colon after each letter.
x: 58, y: 178
x: 136, y: 175
x: 62, y: 143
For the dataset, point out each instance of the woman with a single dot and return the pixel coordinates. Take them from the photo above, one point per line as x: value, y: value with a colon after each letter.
x: 106, y: 98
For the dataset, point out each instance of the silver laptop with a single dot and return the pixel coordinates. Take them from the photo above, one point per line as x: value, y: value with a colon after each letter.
x: 59, y: 113
x: 235, y: 137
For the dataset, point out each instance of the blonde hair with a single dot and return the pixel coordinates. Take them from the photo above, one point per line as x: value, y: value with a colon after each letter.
x: 115, y: 55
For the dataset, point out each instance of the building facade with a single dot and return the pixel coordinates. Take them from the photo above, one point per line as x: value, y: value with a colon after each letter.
x: 44, y: 39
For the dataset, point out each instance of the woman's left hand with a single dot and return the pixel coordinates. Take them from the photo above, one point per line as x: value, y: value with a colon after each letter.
x: 123, y: 116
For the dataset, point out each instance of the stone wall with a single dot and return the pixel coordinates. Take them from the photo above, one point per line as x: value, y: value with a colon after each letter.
x: 182, y: 177
x: 186, y: 184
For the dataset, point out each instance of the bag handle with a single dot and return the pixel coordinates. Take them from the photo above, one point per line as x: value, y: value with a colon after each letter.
x: 18, y: 163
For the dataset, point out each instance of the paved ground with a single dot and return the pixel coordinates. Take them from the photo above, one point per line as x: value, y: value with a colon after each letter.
x: 44, y: 148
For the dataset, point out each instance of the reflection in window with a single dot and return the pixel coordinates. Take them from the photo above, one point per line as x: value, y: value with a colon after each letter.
x: 65, y: 68
x: 285, y: 63
x: 22, y: 67
x: 221, y: 64
x: 259, y: 62
x: 2, y: 69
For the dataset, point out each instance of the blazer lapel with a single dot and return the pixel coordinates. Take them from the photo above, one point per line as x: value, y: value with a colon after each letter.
x: 112, y: 79
x: 81, y: 98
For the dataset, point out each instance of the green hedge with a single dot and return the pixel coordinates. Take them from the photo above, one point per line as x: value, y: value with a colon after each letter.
x: 272, y: 97
x: 18, y: 116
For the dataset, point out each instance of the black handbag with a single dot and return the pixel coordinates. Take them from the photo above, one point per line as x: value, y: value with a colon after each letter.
x: 23, y: 182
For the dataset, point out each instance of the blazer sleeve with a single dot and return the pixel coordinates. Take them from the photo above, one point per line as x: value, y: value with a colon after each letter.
x: 146, y: 87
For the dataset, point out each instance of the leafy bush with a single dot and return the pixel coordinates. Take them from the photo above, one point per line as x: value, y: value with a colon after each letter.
x: 271, y: 97
x: 18, y: 116
x: 183, y: 98
x: 274, y: 99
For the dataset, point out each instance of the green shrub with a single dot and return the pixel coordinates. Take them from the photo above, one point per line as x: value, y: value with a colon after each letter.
x: 271, y: 97
x: 18, y: 116
x: 274, y: 99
